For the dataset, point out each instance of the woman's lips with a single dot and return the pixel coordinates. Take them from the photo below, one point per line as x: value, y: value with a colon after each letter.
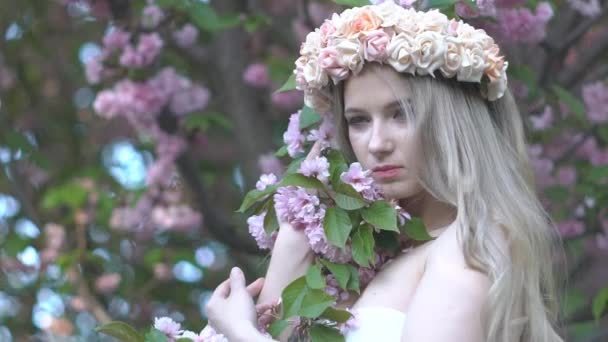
x: 386, y: 173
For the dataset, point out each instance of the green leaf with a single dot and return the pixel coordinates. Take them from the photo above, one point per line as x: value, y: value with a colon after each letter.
x: 353, y: 281
x: 295, y: 165
x: 336, y: 315
x: 352, y: 3
x: 204, y: 121
x: 341, y: 272
x: 308, y: 117
x: 314, y: 278
x: 254, y: 196
x: 347, y: 197
x: 276, y: 328
x: 155, y: 336
x: 573, y: 103
x: 292, y: 297
x: 153, y: 256
x: 281, y: 152
x: 387, y: 240
x: 598, y: 173
x: 271, y: 223
x: 337, y: 226
x: 14, y: 244
x: 71, y: 194
x: 337, y: 165
x: 557, y: 193
x: 207, y: 19
x: 381, y: 215
x: 323, y: 333
x: 600, y: 302
x: 416, y: 230
x: 363, y: 245
x: 298, y: 179
x: 314, y: 303
x: 290, y: 84
x: 120, y: 331
x: 440, y: 3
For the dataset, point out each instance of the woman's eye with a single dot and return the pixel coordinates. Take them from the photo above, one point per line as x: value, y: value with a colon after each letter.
x: 398, y: 114
x: 356, y: 120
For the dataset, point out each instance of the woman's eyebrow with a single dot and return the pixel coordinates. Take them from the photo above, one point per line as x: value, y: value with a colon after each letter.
x: 390, y: 105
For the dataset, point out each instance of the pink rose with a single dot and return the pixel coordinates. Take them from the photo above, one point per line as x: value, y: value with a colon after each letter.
x: 375, y: 45
x: 328, y: 60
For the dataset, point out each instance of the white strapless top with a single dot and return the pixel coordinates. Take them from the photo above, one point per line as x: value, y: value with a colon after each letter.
x: 377, y: 324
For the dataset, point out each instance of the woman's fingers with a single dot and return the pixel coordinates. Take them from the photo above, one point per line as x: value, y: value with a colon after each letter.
x: 315, y: 150
x: 254, y: 288
x: 223, y: 289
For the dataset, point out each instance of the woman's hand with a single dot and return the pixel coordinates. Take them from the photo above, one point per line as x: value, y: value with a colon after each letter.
x: 231, y: 310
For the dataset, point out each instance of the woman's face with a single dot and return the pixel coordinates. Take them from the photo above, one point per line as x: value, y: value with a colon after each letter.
x: 381, y: 137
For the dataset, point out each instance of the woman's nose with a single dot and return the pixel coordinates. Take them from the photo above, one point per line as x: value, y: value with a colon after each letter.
x: 379, y: 142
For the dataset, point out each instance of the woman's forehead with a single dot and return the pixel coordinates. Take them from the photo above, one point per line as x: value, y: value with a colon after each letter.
x: 375, y: 89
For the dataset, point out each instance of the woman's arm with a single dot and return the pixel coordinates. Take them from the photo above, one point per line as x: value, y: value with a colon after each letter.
x: 290, y: 259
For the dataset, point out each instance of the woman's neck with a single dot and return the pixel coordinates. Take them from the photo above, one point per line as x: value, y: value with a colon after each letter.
x: 435, y: 215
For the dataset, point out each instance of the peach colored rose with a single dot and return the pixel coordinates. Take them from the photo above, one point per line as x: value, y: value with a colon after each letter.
x: 495, y: 64
x: 375, y: 45
x: 365, y: 20
x: 430, y: 53
x: 328, y: 60
x: 402, y: 53
x: 495, y: 90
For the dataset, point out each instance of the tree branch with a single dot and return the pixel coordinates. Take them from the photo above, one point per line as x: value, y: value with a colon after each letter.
x: 586, y: 59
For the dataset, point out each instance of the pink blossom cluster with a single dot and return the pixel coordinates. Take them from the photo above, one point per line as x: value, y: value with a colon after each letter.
x: 257, y: 75
x: 317, y: 167
x: 404, y: 3
x: 287, y: 100
x: 186, y: 36
x: 144, y: 53
x: 544, y: 120
x: 325, y: 133
x: 266, y: 180
x: 293, y: 137
x: 151, y: 15
x: 173, y: 331
x: 176, y: 217
x: 589, y: 8
x: 145, y: 100
x: 595, y: 96
x: 570, y: 228
x: 256, y: 229
x: 361, y: 181
x: 485, y: 8
x: 522, y: 25
x: 351, y: 324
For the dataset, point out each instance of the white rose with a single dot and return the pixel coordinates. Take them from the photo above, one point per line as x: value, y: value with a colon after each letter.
x: 452, y: 57
x: 472, y: 65
x: 434, y: 21
x: 408, y: 24
x: 430, y: 54
x: 350, y: 54
x: 402, y: 53
x: 314, y: 74
x: 390, y: 13
x: 312, y: 45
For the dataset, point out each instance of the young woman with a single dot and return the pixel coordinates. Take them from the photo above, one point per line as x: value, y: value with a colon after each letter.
x: 449, y: 146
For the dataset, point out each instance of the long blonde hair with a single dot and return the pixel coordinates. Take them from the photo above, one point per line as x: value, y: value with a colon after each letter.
x: 475, y: 158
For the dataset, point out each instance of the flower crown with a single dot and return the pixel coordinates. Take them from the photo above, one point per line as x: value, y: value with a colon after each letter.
x: 416, y: 42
